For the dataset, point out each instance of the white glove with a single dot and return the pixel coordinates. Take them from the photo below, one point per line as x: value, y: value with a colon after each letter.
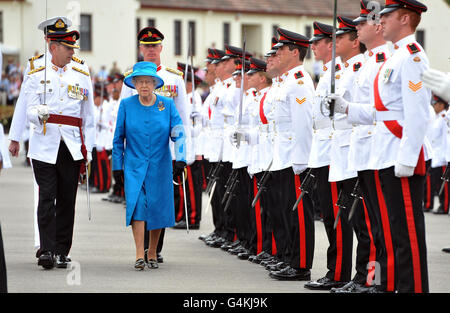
x: 239, y: 136
x: 298, y: 168
x: 401, y: 170
x: 42, y: 111
x: 195, y: 114
x: 340, y: 104
x: 438, y: 82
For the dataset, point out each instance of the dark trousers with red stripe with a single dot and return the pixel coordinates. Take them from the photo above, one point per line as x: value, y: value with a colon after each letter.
x: 240, y: 208
x: 100, y: 176
x: 404, y: 198
x: 340, y: 240
x: 293, y: 230
x: 194, y: 182
x: 433, y: 183
x: 263, y: 237
x: 384, y: 275
x: 58, y: 185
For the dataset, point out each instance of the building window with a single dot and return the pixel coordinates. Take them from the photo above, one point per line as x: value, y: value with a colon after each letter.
x: 1, y: 26
x: 226, y: 34
x: 274, y: 30
x: 308, y: 34
x: 151, y: 22
x: 420, y: 37
x: 177, y: 37
x: 191, y: 35
x: 86, y: 32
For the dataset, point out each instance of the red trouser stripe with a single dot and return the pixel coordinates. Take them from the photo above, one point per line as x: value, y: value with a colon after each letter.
x: 301, y: 224
x: 181, y: 203
x: 428, y: 203
x: 373, y: 250
x: 412, y: 235
x: 387, y: 235
x: 339, y: 248
x: 108, y: 170
x: 446, y: 192
x: 191, y: 195
x: 274, y: 245
x: 100, y: 170
x: 204, y: 184
x: 259, y: 241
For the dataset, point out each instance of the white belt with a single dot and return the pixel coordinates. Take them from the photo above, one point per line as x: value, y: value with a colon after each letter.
x: 322, y: 123
x: 388, y: 115
x: 342, y: 125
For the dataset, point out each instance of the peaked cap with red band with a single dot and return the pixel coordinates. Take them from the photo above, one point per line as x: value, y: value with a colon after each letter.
x: 321, y: 31
x: 256, y: 65
x: 150, y: 36
x: 413, y: 5
x: 366, y: 8
x: 346, y: 25
x: 68, y: 38
x: 288, y: 37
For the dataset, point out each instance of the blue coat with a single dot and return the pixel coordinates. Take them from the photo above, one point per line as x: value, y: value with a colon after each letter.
x: 141, y: 149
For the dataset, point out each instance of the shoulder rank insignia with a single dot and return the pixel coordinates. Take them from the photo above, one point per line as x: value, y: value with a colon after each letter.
x: 36, y: 70
x: 413, y: 48
x: 33, y: 59
x: 74, y: 58
x: 338, y: 67
x: 298, y: 75
x: 80, y: 71
x: 415, y: 87
x: 356, y: 66
x: 380, y: 57
x: 127, y: 73
x: 171, y: 70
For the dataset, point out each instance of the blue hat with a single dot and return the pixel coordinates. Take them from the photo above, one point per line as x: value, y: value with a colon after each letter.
x: 143, y: 69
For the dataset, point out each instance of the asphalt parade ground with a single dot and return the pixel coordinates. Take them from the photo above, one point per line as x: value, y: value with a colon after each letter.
x: 103, y: 252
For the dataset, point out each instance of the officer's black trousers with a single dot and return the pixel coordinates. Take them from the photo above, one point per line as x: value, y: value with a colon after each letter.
x: 194, y: 181
x: 384, y: 271
x: 433, y: 183
x: 3, y: 280
x: 340, y: 240
x: 57, y: 194
x: 404, y: 198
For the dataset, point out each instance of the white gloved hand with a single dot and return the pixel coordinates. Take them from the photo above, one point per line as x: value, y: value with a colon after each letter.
x: 239, y: 136
x: 438, y: 82
x: 340, y: 104
x: 195, y: 114
x: 42, y: 111
x: 298, y: 168
x: 401, y: 170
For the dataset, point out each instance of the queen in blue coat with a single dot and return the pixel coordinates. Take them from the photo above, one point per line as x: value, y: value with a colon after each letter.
x: 142, y: 158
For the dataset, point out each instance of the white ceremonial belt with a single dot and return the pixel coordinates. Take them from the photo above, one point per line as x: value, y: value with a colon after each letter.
x: 388, y: 115
x: 322, y: 123
x: 342, y: 125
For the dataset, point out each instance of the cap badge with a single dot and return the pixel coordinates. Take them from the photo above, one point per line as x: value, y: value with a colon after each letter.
x: 60, y: 24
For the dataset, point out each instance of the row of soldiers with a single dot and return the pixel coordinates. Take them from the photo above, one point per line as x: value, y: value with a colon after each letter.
x: 358, y: 139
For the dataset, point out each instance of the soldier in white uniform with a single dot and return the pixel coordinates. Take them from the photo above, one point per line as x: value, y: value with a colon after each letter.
x: 399, y: 146
x: 339, y: 252
x: 61, y: 111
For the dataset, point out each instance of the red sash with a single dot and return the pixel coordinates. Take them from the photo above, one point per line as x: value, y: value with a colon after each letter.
x: 395, y: 128
x: 261, y: 110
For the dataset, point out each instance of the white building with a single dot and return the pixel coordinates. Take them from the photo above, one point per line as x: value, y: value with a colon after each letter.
x: 109, y: 27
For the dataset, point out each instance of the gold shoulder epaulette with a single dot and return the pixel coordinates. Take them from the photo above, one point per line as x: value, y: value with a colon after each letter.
x: 36, y: 70
x: 35, y: 57
x: 171, y: 70
x: 127, y: 73
x: 80, y: 70
x: 74, y: 58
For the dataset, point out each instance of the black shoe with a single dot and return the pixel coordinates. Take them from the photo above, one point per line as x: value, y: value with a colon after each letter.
x: 276, y: 267
x: 352, y: 287
x: 271, y: 261
x: 38, y: 253
x: 244, y: 255
x: 237, y: 250
x: 180, y: 225
x: 262, y: 256
x: 61, y: 261
x: 324, y: 283
x: 159, y: 258
x: 207, y: 237
x: 446, y: 249
x: 46, y: 260
x: 108, y: 198
x: 216, y: 243
x: 440, y: 210
x: 289, y: 273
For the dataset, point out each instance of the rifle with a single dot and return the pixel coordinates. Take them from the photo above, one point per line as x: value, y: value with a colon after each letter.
x: 231, y: 192
x: 357, y: 195
x: 211, y: 187
x: 446, y: 178
x: 262, y: 184
x: 306, y: 187
x: 229, y: 184
x: 333, y: 61
x: 238, y: 139
x: 341, y: 205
